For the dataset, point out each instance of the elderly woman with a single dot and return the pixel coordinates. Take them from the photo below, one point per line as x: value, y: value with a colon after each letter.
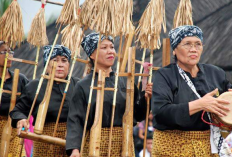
x: 14, y: 148
x: 181, y: 92
x: 19, y: 115
x: 78, y: 107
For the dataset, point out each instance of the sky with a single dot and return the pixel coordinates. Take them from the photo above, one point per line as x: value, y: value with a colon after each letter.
x: 30, y: 8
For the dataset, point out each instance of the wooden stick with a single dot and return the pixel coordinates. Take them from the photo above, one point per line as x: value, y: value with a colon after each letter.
x: 56, y: 79
x: 166, y: 52
x: 43, y: 138
x: 82, y: 60
x: 51, y: 2
x: 128, y: 115
x: 90, y: 95
x: 148, y: 105
x: 43, y: 106
x: 36, y: 62
x: 141, y: 67
x: 10, y: 92
x: 3, y: 76
x: 95, y: 133
x: 7, y: 130
x: 115, y: 95
x: 23, y: 61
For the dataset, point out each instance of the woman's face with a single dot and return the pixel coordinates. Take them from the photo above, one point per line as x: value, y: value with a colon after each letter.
x: 4, y: 48
x: 62, y: 68
x: 189, y: 51
x: 106, y: 54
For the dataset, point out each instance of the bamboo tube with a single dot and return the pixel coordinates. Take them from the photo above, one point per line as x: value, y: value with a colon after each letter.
x: 115, y: 95
x: 90, y: 95
x: 166, y: 52
x: 148, y: 105
x: 43, y: 107
x: 7, y: 130
x: 10, y: 92
x: 3, y: 76
x: 11, y: 25
x: 42, y: 138
x: 183, y: 14
x: 141, y: 67
x: 128, y: 115
x: 95, y: 132
x: 36, y: 62
x: 125, y: 57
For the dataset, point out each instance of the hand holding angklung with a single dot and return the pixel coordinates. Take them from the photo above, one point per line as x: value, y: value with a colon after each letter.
x: 22, y: 123
x: 214, y: 105
x: 148, y: 91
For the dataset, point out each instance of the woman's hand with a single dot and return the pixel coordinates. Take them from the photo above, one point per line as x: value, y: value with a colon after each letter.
x: 22, y: 123
x: 75, y: 153
x: 148, y: 91
x: 210, y: 104
x: 230, y: 90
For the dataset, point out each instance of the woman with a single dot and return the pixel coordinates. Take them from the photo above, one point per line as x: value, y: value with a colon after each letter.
x: 14, y: 148
x: 62, y: 56
x: 77, y: 110
x: 181, y: 92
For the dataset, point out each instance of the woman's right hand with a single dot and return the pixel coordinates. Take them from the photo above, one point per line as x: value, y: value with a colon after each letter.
x: 22, y: 123
x: 214, y: 105
x: 75, y: 153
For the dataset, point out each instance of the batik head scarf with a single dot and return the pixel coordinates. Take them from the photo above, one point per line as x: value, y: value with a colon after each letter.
x: 59, y: 50
x: 89, y: 43
x: 176, y: 35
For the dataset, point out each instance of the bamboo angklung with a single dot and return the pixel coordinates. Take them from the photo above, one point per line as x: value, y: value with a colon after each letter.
x: 183, y: 14
x: 148, y: 36
x: 141, y: 67
x: 43, y: 106
x: 7, y: 130
x: 127, y: 136
x: 95, y: 132
x: 11, y: 25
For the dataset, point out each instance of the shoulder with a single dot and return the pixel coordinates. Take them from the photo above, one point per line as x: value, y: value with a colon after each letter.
x: 23, y: 78
x: 209, y: 68
x: 168, y: 71
x: 75, y: 79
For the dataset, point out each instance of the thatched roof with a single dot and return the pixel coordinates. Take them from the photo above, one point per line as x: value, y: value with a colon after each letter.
x: 212, y: 16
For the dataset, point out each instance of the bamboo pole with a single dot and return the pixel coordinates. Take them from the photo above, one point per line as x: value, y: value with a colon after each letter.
x: 36, y: 62
x: 141, y: 67
x: 128, y: 115
x: 3, y: 76
x: 95, y: 132
x: 115, y: 95
x: 51, y: 2
x: 90, y: 95
x: 148, y: 105
x: 22, y: 61
x: 7, y: 130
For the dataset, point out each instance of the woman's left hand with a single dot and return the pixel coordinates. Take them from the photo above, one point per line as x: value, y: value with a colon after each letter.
x: 230, y: 90
x: 148, y: 91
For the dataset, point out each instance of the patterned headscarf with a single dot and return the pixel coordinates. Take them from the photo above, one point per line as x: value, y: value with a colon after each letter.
x: 176, y: 35
x: 89, y: 43
x: 59, y: 50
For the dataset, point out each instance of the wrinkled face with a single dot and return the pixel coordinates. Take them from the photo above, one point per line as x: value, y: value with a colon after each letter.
x: 149, y: 145
x: 189, y: 51
x: 62, y: 68
x: 106, y: 54
x: 4, y: 48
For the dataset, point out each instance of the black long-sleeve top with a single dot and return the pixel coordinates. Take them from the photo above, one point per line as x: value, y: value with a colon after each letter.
x: 171, y: 96
x: 79, y: 103
x: 23, y: 106
x: 6, y: 98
